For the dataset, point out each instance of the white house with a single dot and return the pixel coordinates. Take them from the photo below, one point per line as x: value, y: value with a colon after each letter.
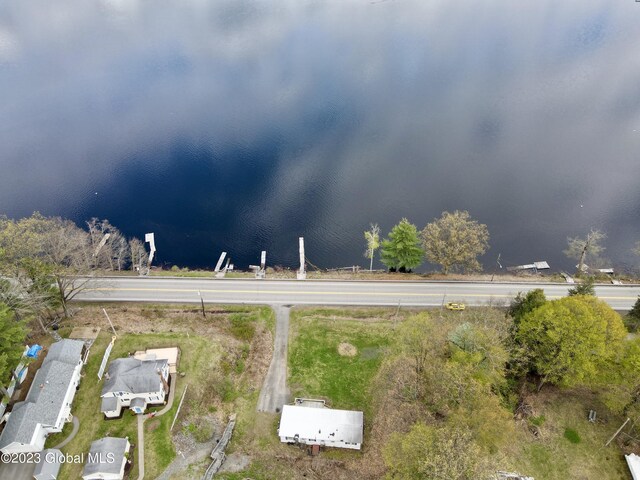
x: 107, y: 459
x: 309, y: 422
x: 134, y: 383
x: 48, y: 403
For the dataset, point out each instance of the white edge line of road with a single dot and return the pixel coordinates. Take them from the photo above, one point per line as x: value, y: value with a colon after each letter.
x: 317, y: 280
x: 253, y: 302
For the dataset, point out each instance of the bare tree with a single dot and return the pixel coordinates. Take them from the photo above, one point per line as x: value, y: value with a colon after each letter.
x: 139, y: 256
x: 120, y: 250
x: 23, y: 301
x: 51, y: 258
x: 110, y: 248
x: 580, y: 248
x: 67, y: 254
x: 372, y: 236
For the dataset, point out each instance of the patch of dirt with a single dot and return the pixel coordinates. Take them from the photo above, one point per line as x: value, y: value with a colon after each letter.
x: 235, y: 462
x: 347, y: 350
x: 152, y: 425
x: 139, y: 319
x: 185, y: 439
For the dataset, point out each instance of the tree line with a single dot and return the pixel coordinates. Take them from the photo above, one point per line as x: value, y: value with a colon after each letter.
x: 454, y: 241
x: 42, y: 260
x: 471, y: 380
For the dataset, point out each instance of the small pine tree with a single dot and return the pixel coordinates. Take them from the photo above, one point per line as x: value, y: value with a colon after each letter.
x: 585, y: 288
x: 402, y: 250
x: 525, y: 303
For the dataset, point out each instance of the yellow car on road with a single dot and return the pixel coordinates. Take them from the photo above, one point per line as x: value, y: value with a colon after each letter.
x: 456, y: 306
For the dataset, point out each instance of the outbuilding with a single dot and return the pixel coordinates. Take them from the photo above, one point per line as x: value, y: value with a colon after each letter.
x: 310, y: 422
x: 633, y: 461
x: 49, y: 465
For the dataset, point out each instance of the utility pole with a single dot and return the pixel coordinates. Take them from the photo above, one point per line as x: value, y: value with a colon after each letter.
x: 202, y: 303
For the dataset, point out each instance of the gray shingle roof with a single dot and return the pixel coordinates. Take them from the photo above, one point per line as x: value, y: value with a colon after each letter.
x: 133, y: 376
x: 109, y: 404
x: 138, y: 402
x: 49, y: 388
x: 21, y: 424
x: 68, y: 351
x: 49, y: 466
x: 43, y: 404
x: 100, y: 449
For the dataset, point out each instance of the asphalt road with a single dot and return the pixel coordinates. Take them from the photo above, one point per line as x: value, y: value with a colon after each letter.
x: 320, y: 292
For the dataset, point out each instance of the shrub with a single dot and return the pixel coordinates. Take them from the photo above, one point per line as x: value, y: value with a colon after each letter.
x: 242, y: 327
x: 571, y: 435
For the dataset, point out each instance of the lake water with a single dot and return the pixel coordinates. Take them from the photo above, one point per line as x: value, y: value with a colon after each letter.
x: 240, y: 125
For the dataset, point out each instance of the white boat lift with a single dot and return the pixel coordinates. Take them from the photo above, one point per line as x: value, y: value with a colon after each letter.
x: 150, y: 239
x: 260, y: 270
x: 535, y: 266
x: 217, y: 271
x: 302, y: 273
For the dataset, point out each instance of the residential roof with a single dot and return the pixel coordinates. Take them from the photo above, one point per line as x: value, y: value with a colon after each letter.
x: 49, y: 465
x: 109, y: 404
x: 133, y: 376
x: 108, y: 454
x: 68, y: 351
x: 46, y: 396
x: 21, y: 424
x: 138, y: 402
x: 321, y: 424
x: 48, y: 390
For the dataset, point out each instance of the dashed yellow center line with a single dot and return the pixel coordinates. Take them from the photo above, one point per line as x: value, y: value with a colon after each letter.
x: 324, y: 292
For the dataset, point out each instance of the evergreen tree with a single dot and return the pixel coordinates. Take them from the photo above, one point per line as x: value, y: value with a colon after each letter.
x: 525, y: 303
x: 402, y: 251
x: 12, y: 335
x: 584, y: 288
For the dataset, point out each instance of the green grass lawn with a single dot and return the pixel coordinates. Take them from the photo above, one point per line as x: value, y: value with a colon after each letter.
x: 317, y: 370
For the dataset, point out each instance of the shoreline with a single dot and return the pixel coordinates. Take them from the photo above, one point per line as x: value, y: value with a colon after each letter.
x: 365, y: 275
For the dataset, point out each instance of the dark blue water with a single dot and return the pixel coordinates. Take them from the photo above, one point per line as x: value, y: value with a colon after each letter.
x: 242, y: 125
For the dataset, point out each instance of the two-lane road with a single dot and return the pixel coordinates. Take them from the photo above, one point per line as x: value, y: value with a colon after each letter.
x: 313, y: 292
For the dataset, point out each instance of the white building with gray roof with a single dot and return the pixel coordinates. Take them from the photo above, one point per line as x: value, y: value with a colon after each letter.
x: 107, y: 459
x: 49, y: 465
x: 309, y: 422
x: 48, y: 403
x: 134, y: 383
